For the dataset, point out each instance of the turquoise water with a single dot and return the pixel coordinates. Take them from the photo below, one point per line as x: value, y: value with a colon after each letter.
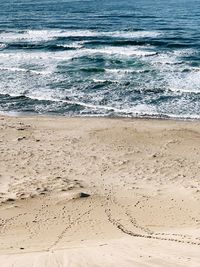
x: 100, y: 58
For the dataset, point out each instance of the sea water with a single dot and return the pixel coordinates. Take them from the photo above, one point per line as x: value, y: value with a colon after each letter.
x: 100, y: 57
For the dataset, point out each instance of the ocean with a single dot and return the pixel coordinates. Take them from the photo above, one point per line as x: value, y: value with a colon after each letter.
x: 117, y: 58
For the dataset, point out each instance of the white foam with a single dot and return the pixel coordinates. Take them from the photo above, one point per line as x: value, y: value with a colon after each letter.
x: 72, y: 45
x: 196, y: 69
x: 184, y: 52
x: 45, y: 35
x: 184, y: 90
x: 137, y: 34
x: 2, y: 46
x: 124, y: 71
x: 116, y: 71
x: 124, y: 51
x: 51, y: 59
x: 99, y: 81
x: 171, y: 59
x: 185, y: 83
x: 12, y: 69
x: 164, y: 59
x: 120, y: 109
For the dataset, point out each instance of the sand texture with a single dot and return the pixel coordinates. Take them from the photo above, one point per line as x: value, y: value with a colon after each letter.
x: 88, y: 192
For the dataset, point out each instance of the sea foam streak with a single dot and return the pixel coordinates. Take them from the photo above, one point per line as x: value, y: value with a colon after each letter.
x: 45, y: 35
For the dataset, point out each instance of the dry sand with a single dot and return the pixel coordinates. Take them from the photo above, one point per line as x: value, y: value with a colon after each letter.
x: 143, y: 182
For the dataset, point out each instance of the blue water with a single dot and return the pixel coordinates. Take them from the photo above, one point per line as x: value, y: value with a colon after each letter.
x: 100, y: 57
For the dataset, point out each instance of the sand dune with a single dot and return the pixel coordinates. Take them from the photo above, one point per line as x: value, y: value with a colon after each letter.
x: 99, y: 192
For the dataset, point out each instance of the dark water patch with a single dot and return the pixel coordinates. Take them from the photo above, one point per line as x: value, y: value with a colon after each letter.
x: 89, y: 59
x: 93, y: 70
x: 40, y: 46
x: 179, y: 45
x: 115, y: 42
x: 145, y: 41
x: 76, y: 38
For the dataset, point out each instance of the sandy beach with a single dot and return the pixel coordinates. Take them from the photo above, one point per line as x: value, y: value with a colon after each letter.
x: 94, y: 192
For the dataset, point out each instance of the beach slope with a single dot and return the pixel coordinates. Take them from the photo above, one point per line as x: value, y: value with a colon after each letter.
x: 99, y: 192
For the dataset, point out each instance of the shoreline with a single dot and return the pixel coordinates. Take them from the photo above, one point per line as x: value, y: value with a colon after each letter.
x: 131, y: 117
x: 99, y: 191
x: 139, y: 117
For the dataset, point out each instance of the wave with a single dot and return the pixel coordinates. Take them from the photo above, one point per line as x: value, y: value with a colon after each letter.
x: 24, y: 70
x: 26, y: 97
x: 45, y: 46
x: 71, y: 54
x: 105, y: 82
x: 127, y: 71
x: 75, y: 45
x: 115, y: 42
x: 134, y: 34
x: 125, y: 51
x: 70, y: 102
x: 184, y: 90
x: 140, y: 110
x: 45, y: 35
x: 22, y: 56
